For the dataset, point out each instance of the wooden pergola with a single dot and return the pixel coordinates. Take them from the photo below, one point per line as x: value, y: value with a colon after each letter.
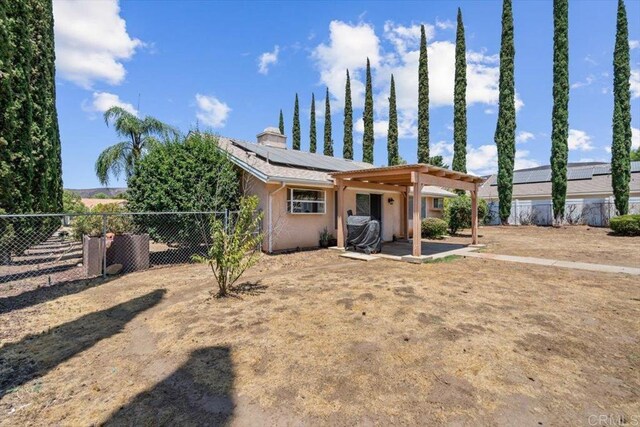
x: 407, y: 179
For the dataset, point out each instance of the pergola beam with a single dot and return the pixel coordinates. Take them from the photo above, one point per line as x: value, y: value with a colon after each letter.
x: 352, y: 183
x: 446, y: 182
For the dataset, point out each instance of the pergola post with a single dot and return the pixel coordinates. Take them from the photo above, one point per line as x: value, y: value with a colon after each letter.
x: 340, y: 209
x: 474, y: 216
x: 407, y: 229
x: 417, y: 220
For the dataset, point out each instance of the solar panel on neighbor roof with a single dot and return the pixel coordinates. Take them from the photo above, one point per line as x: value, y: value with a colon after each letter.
x: 581, y: 173
x: 298, y: 158
x: 635, y: 166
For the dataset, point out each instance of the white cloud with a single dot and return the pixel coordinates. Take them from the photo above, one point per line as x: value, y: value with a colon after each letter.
x: 587, y: 82
x: 445, y: 25
x: 484, y: 160
x: 634, y: 44
x: 267, y: 59
x: 579, y: 140
x: 635, y: 138
x: 634, y: 82
x: 524, y: 136
x: 211, y: 111
x: 92, y: 42
x: 102, y: 101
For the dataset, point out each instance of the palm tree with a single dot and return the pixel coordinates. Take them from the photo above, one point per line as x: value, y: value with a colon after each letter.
x: 141, y: 135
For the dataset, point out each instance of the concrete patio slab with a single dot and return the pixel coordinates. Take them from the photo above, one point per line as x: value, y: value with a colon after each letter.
x: 359, y: 256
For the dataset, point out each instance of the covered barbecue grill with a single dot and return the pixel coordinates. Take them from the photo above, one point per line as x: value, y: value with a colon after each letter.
x: 363, y: 233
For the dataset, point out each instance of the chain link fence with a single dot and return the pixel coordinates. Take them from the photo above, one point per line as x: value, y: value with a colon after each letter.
x: 45, y: 249
x: 583, y: 212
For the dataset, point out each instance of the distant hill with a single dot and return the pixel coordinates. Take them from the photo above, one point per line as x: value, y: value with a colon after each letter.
x: 88, y: 193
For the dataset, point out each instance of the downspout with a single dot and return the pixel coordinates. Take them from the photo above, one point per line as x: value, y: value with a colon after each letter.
x: 271, y: 193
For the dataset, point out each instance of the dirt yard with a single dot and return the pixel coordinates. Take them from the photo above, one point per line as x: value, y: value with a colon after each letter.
x: 571, y: 243
x: 317, y: 339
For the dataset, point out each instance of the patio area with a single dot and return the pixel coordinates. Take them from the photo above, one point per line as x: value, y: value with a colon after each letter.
x: 401, y: 250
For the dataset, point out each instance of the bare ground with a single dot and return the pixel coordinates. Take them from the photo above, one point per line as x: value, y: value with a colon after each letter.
x: 570, y: 243
x: 318, y: 339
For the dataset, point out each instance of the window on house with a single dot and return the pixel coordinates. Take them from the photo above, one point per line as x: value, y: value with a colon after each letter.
x: 438, y: 203
x: 423, y: 208
x: 363, y: 205
x: 306, y: 201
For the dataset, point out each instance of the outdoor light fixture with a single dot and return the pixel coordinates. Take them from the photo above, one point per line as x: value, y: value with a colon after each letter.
x: 390, y: 200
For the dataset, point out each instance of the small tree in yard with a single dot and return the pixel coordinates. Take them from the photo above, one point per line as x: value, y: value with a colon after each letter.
x: 235, y: 246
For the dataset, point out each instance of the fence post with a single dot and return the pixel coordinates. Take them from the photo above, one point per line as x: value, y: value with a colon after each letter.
x: 104, y: 246
x: 226, y: 221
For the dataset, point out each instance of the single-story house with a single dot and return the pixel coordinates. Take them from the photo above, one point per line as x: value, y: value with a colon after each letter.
x: 589, y: 194
x: 300, y: 192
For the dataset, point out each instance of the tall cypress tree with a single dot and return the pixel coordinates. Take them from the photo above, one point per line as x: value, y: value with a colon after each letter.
x: 312, y: 123
x: 367, y: 117
x: 392, y: 133
x: 423, y: 100
x: 295, y: 131
x: 621, y: 144
x: 9, y: 191
x: 347, y: 143
x: 505, y: 136
x: 281, y: 123
x: 460, y: 102
x: 560, y: 114
x: 328, y: 142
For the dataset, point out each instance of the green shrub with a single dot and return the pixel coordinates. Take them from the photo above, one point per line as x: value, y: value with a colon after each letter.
x: 626, y: 225
x: 434, y: 228
x: 457, y: 212
x: 72, y: 203
x: 91, y: 225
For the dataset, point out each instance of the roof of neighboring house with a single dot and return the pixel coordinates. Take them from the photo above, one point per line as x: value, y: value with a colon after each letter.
x: 582, y: 179
x: 91, y: 203
x: 271, y: 164
x: 430, y: 190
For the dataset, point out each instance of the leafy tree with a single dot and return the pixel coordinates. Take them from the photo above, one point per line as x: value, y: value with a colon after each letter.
x: 367, y: 139
x: 457, y: 212
x: 423, y: 100
x: 621, y: 146
x: 185, y: 176
x: 141, y: 134
x: 635, y: 155
x: 560, y: 114
x: 392, y: 134
x: 505, y: 136
x: 281, y: 123
x: 72, y: 203
x: 438, y: 161
x: 234, y: 248
x: 296, y: 125
x: 328, y: 142
x: 347, y: 144
x: 312, y: 123
x: 460, y: 102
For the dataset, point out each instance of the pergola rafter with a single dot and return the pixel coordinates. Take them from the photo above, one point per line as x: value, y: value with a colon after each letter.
x: 407, y: 179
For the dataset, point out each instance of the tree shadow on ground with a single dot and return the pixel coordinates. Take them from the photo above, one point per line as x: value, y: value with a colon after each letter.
x: 249, y: 288
x: 37, y: 354
x: 198, y: 393
x: 49, y: 293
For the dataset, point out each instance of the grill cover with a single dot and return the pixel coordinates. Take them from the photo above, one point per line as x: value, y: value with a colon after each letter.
x: 363, y: 234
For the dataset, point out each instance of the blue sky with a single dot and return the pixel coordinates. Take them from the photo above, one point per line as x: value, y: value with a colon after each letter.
x: 231, y: 66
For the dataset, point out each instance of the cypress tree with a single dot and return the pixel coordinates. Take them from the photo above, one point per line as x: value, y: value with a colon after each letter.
x: 312, y: 121
x: 423, y: 100
x: 560, y: 114
x: 281, y: 123
x: 392, y: 133
x: 9, y: 191
x: 347, y: 143
x: 367, y: 138
x: 460, y: 102
x: 621, y: 144
x: 295, y: 131
x: 505, y: 135
x: 328, y: 142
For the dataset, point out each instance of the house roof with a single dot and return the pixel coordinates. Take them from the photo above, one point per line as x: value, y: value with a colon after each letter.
x: 582, y: 179
x: 433, y: 191
x: 270, y: 164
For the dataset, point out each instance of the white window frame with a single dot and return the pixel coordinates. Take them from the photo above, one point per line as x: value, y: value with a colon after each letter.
x: 322, y: 203
x: 434, y: 203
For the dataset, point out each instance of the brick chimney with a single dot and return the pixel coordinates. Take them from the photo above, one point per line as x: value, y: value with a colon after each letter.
x: 271, y: 137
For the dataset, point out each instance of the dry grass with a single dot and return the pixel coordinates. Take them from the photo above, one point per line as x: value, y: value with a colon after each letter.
x: 571, y: 243
x: 319, y: 339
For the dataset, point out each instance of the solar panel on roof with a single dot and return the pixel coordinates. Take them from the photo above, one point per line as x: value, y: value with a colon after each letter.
x: 635, y: 166
x: 298, y: 158
x: 581, y: 173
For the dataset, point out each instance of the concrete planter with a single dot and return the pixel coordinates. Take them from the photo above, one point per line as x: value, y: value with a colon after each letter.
x: 130, y: 250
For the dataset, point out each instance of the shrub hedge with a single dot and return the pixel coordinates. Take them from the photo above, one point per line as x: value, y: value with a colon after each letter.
x: 626, y: 225
x: 457, y: 212
x: 433, y: 228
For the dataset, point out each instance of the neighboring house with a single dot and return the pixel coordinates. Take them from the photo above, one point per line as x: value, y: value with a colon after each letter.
x: 589, y: 194
x: 298, y: 196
